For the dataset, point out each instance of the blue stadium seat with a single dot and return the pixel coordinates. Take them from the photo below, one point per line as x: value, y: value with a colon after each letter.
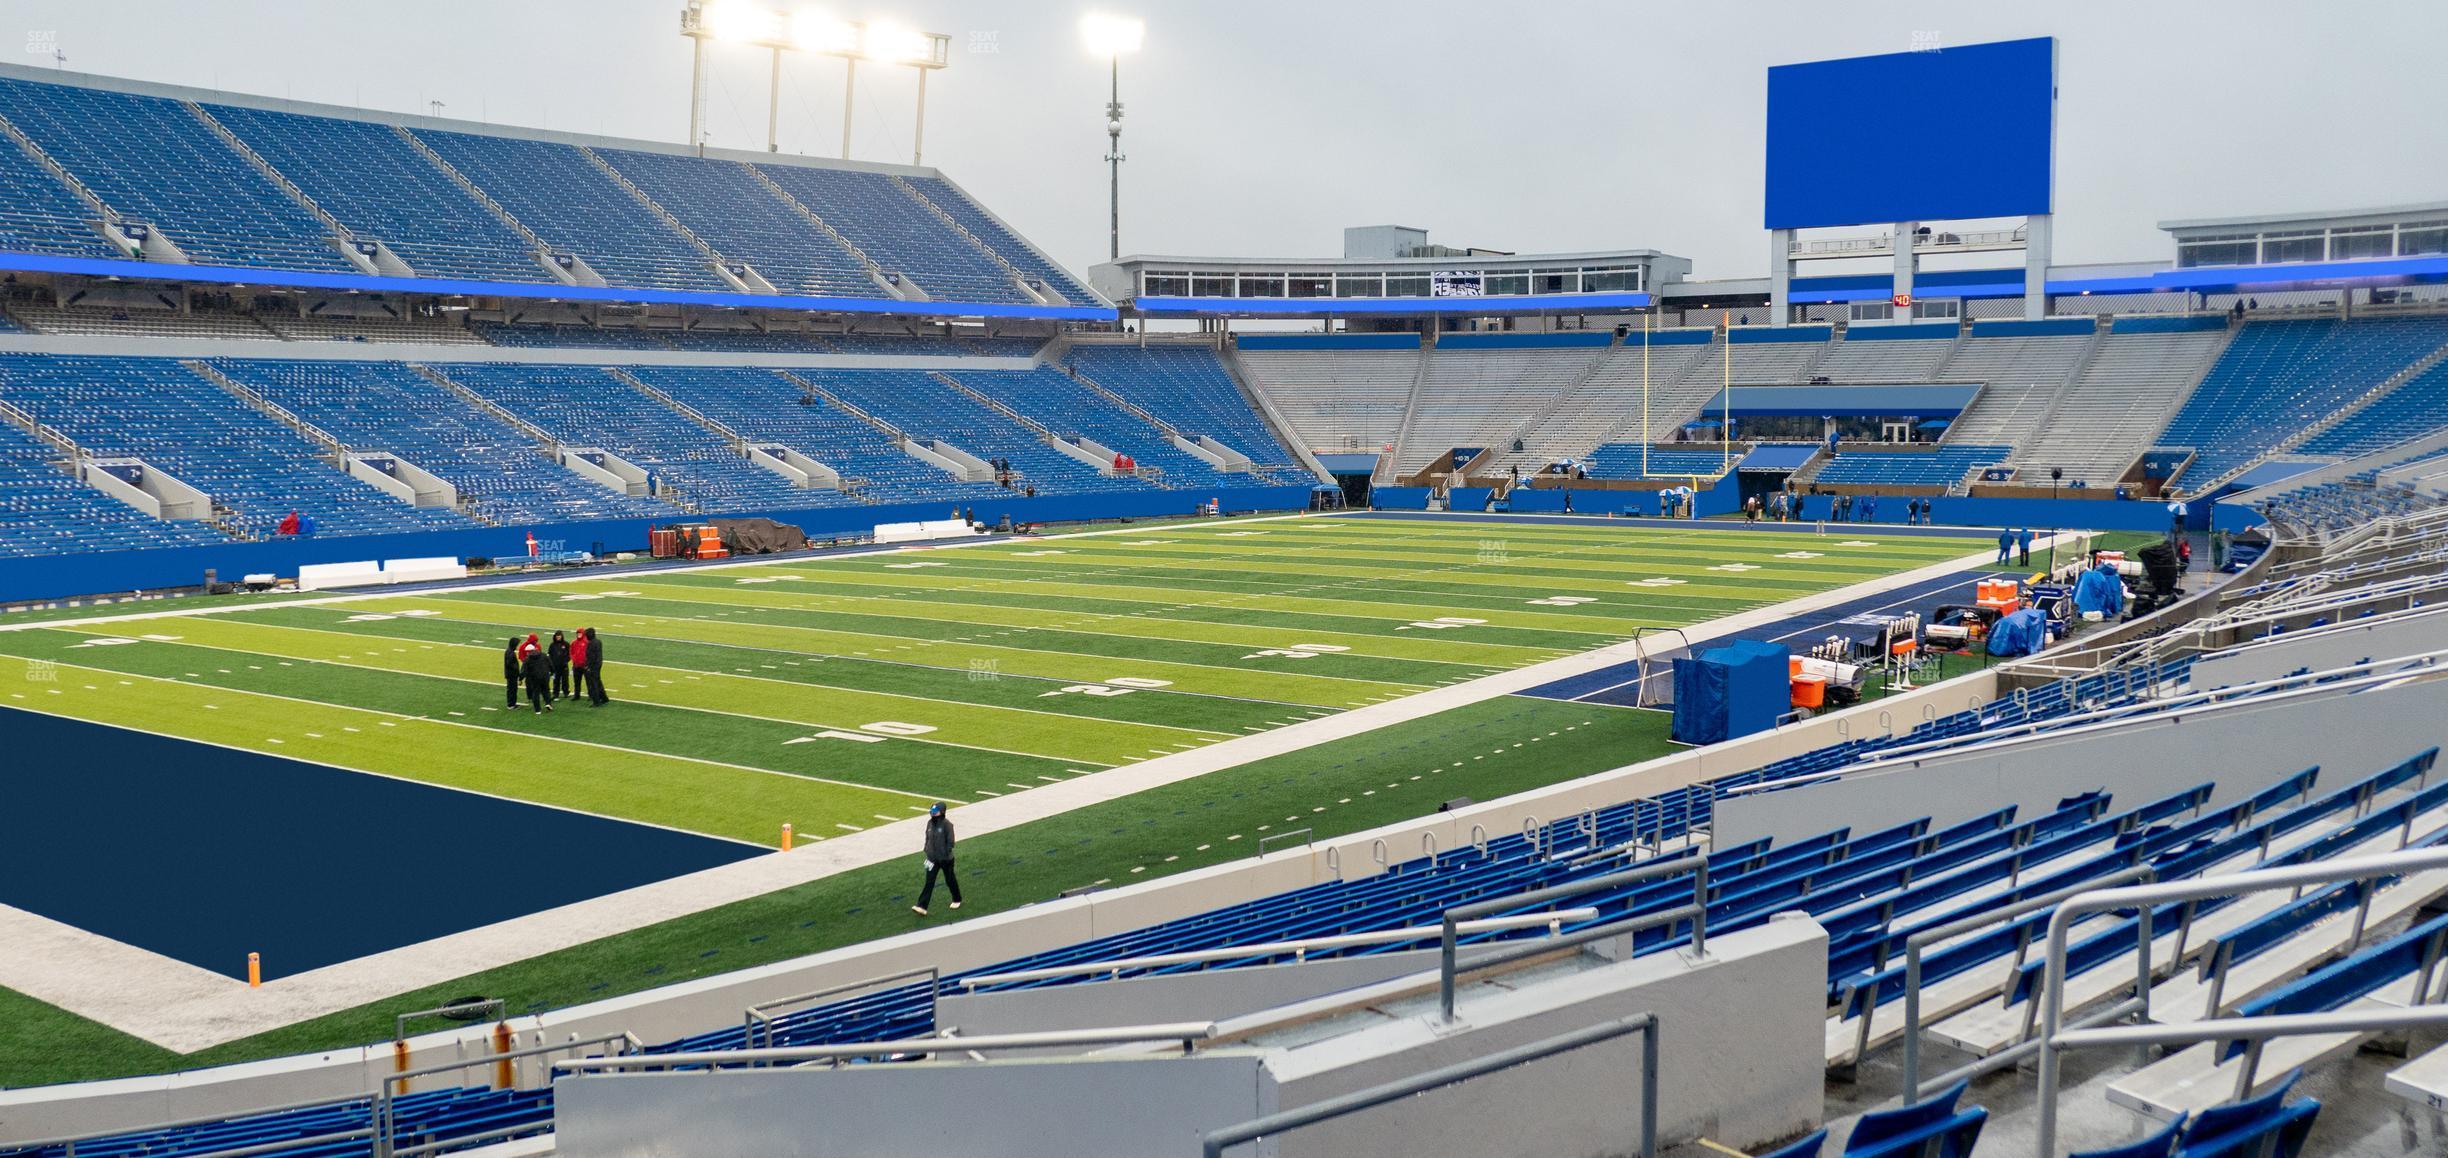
x: 2159, y: 1144
x: 1926, y: 1129
x: 556, y: 192
x: 2278, y: 377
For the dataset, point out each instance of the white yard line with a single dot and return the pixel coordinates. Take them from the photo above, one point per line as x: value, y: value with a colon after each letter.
x: 184, y: 1008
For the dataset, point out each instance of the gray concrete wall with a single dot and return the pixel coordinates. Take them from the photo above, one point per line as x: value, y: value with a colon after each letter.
x: 2244, y: 747
x: 1739, y: 1041
x: 1072, y: 1108
x: 2325, y: 648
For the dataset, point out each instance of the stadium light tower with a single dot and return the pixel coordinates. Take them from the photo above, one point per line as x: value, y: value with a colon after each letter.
x: 1110, y: 37
x: 809, y: 31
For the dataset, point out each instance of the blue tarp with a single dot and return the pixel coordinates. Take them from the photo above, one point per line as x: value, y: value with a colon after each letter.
x: 2022, y: 633
x: 1730, y: 691
x: 2100, y: 590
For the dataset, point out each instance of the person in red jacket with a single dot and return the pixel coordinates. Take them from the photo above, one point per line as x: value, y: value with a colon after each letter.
x: 289, y: 525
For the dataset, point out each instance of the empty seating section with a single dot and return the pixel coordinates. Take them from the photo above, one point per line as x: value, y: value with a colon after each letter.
x: 1476, y: 398
x: 1188, y: 388
x: 766, y: 406
x: 2020, y: 377
x: 1624, y: 460
x: 378, y: 186
x: 724, y: 204
x: 1607, y: 406
x: 1005, y: 244
x: 386, y: 406
x: 1337, y: 400
x: 1945, y: 467
x: 2416, y: 407
x: 40, y: 215
x: 2106, y: 418
x: 444, y: 330
x: 452, y: 1113
x: 923, y: 406
x: 557, y: 193
x: 148, y: 323
x: 154, y: 161
x: 589, y: 406
x: 2277, y: 378
x: 44, y: 510
x: 1070, y: 409
x: 1908, y: 360
x: 547, y: 336
x: 897, y: 233
x: 157, y: 410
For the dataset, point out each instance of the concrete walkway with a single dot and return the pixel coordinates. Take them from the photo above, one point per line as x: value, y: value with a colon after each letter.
x: 185, y: 1008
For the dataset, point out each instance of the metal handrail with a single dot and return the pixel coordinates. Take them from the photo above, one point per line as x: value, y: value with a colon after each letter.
x: 1299, y: 949
x: 758, y: 1018
x: 69, y: 1141
x: 1215, y: 1142
x: 1914, y: 944
x: 1696, y: 913
x: 2056, y: 1038
x: 385, y: 1127
x: 1189, y: 1033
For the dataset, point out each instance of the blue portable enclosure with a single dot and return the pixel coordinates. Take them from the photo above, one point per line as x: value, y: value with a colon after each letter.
x: 1731, y: 691
x: 2022, y: 633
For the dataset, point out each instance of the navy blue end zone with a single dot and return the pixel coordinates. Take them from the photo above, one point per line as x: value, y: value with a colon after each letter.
x: 205, y: 854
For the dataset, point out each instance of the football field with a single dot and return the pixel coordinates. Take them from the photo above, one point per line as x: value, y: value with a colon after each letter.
x: 835, y: 694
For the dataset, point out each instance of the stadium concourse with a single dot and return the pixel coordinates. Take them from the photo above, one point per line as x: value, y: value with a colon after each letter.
x: 1855, y: 732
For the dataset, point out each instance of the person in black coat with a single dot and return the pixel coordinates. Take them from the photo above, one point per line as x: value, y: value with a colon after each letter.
x: 510, y: 672
x: 593, y: 669
x: 558, y: 654
x: 538, y: 672
x: 938, y: 859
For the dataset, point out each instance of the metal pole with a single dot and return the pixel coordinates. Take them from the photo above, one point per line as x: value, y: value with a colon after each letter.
x: 696, y: 93
x: 773, y: 106
x: 849, y: 87
x: 918, y: 143
x: 1646, y: 320
x: 1725, y: 433
x: 1113, y: 161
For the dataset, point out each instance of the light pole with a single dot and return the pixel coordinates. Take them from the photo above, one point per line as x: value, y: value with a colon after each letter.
x: 742, y: 22
x: 1110, y: 37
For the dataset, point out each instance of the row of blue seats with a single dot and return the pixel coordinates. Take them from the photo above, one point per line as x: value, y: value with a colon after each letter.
x: 1626, y: 460
x: 1942, y: 468
x: 1188, y: 388
x: 2282, y: 376
x: 639, y: 219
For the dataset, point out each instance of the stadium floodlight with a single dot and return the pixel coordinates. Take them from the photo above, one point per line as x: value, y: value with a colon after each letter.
x: 1110, y: 37
x: 814, y: 32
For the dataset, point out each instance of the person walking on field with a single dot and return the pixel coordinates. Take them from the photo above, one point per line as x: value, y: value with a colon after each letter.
x: 938, y: 859
x: 558, y: 654
x: 2023, y: 542
x: 511, y: 674
x: 592, y: 667
x: 2005, y: 542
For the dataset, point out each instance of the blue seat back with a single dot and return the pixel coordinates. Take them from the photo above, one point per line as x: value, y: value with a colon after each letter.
x: 1806, y: 1146
x: 2279, y: 1133
x: 2158, y: 1145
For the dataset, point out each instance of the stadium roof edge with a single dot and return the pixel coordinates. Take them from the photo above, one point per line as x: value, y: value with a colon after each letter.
x: 1451, y: 262
x: 439, y: 124
x: 2407, y: 210
x: 1481, y: 306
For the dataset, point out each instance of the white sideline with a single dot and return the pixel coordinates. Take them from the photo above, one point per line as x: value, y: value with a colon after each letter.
x: 184, y: 1008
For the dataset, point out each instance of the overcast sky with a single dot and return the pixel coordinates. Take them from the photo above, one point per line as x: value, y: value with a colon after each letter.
x: 1262, y: 127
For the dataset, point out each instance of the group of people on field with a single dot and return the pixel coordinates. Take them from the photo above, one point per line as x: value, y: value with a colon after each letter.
x: 551, y: 670
x: 1795, y: 507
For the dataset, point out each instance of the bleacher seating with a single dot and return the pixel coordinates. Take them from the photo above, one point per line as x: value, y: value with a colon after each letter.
x: 921, y: 405
x: 385, y: 406
x: 1337, y: 399
x: 1476, y: 398
x: 2278, y: 377
x: 40, y: 215
x: 44, y: 510
x: 159, y: 411
x: 1607, y: 406
x: 1945, y: 467
x: 2418, y: 406
x: 897, y: 233
x: 2021, y: 377
x: 1870, y: 360
x: 1005, y: 244
x: 724, y: 204
x: 1623, y: 460
x: 152, y: 160
x: 377, y: 185
x: 559, y: 195
x: 1063, y: 405
x: 767, y: 406
x: 588, y: 406
x: 2107, y: 416
x: 1187, y: 387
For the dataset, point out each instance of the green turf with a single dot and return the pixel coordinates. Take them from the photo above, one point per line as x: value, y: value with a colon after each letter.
x: 985, y: 670
x: 1484, y: 751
